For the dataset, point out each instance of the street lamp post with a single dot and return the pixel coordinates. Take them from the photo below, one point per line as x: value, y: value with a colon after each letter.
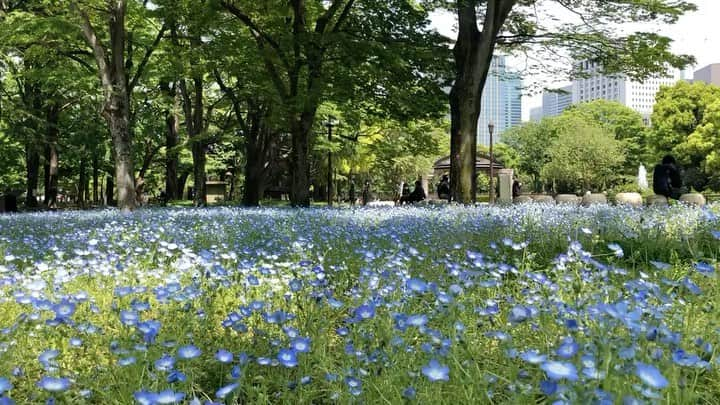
x: 330, y: 123
x: 491, y: 127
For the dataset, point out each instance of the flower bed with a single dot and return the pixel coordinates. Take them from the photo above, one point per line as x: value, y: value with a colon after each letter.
x: 517, y: 304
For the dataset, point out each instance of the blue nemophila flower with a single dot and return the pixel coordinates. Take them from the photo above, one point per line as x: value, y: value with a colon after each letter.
x: 176, y: 376
x: 435, y: 371
x: 548, y: 387
x: 715, y: 234
x: 76, y: 342
x: 533, y: 356
x: 54, y: 384
x: 627, y: 353
x: 365, y: 311
x: 417, y: 285
x: 5, y: 385
x: 518, y: 314
x: 287, y: 357
x: 144, y: 397
x: 682, y: 358
x: 6, y: 401
x: 188, y: 352
x: 224, y: 356
x: 617, y: 249
x: 409, y: 393
x: 129, y: 318
x: 557, y: 370
x: 165, y: 363
x: 301, y: 344
x: 568, y: 348
x: 169, y: 397
x: 660, y: 265
x: 64, y: 309
x: 417, y: 320
x: 295, y: 285
x: 650, y: 375
x: 705, y: 269
x: 354, y: 385
x: 126, y: 361
x: 47, y: 357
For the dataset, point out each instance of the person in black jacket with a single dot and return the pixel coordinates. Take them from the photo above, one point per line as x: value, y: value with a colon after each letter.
x: 417, y: 195
x: 443, y: 188
x: 666, y: 178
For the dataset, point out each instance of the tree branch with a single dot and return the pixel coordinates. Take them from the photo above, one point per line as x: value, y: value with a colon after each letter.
x: 148, y: 52
x: 99, y: 52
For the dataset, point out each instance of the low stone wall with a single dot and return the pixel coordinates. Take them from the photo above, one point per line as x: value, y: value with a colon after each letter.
x: 594, y: 198
x: 570, y: 199
x: 632, y: 199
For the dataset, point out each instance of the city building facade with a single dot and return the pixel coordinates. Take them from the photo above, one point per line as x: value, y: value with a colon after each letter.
x: 638, y: 96
x: 554, y: 102
x: 501, y: 101
x: 710, y: 74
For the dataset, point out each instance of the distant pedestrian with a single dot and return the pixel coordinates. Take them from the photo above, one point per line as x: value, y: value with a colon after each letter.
x: 417, y: 195
x: 443, y: 188
x: 516, y: 189
x: 666, y: 178
x: 366, y: 193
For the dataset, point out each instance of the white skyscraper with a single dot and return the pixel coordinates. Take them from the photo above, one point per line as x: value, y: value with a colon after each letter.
x: 501, y: 101
x: 638, y: 96
x: 555, y: 102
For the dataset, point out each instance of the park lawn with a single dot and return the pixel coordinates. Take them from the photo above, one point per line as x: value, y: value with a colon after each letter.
x: 521, y: 304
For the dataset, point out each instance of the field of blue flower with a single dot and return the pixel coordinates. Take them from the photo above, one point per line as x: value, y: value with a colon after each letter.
x: 517, y: 305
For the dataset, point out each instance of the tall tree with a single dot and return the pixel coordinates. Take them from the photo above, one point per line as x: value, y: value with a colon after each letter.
x: 308, y: 49
x: 113, y: 71
x: 528, y: 25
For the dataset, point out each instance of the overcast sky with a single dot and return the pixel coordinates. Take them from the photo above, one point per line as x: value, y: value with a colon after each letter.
x: 696, y: 33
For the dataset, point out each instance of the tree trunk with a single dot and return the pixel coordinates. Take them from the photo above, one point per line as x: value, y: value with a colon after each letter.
x: 82, y: 183
x: 199, y: 176
x: 51, y: 155
x: 172, y: 125
x: 32, y: 160
x: 463, y: 145
x: 300, y: 165
x: 124, y: 164
x: 182, y: 179
x: 116, y: 93
x: 473, y: 53
x: 95, y: 175
x: 109, y: 191
x: 172, y: 160
x: 254, y: 176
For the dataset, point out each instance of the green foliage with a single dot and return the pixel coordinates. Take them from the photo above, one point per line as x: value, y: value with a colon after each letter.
x: 626, y: 125
x: 12, y: 175
x: 583, y: 157
x: 531, y: 142
x: 402, y: 152
x: 686, y: 123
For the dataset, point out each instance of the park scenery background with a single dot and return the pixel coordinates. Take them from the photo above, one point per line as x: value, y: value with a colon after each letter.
x: 530, y: 303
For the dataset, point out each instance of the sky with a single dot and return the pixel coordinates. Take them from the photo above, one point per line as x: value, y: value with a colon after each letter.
x: 695, y: 33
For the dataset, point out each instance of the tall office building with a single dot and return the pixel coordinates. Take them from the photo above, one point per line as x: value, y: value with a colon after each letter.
x: 501, y: 101
x: 536, y: 114
x: 710, y: 74
x: 555, y: 102
x: 638, y: 96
